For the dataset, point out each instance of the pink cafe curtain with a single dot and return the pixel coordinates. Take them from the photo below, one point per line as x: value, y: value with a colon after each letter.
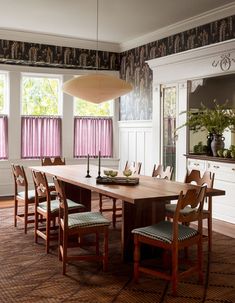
x: 3, y: 137
x: 40, y: 137
x: 91, y: 135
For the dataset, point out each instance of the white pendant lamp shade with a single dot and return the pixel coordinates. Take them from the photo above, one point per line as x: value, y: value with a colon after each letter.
x: 96, y: 87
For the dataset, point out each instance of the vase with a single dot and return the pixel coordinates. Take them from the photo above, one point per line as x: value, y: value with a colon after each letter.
x: 216, y: 144
x: 209, y: 140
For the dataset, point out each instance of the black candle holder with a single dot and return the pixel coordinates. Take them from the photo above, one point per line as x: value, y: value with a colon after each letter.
x: 99, y: 176
x: 88, y: 167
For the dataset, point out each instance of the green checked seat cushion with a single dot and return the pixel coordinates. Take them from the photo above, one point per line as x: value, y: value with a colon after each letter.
x: 31, y: 194
x: 171, y: 208
x: 163, y: 231
x: 87, y: 219
x: 55, y: 205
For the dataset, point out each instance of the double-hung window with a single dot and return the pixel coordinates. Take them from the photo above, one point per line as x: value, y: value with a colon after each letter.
x: 4, y: 102
x: 93, y: 128
x: 41, y: 116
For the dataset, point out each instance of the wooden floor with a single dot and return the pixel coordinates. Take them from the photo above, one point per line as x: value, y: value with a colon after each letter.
x: 222, y: 227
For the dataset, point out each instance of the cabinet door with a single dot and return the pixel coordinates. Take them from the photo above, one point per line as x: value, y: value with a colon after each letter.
x: 223, y: 207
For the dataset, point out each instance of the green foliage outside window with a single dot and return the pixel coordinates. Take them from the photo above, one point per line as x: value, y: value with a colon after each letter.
x: 84, y: 108
x: 40, y: 96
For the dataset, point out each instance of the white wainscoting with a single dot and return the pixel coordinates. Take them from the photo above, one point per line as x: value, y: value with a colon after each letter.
x: 136, y: 144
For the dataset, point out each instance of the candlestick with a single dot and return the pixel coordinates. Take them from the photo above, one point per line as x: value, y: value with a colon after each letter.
x: 88, y: 167
x: 99, y: 166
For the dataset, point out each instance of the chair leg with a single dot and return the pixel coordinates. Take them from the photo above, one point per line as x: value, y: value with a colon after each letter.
x: 200, y: 260
x: 136, y: 258
x: 100, y: 203
x: 60, y: 240
x: 36, y: 227
x: 175, y: 277
x: 26, y: 210
x: 106, y: 250
x: 65, y: 247
x: 209, y: 222
x: 114, y: 212
x: 15, y: 212
x: 48, y: 224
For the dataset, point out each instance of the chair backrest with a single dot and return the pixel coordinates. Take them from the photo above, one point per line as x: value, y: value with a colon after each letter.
x: 41, y: 188
x: 195, y: 177
x: 193, y: 198
x: 134, y: 167
x: 20, y: 179
x: 63, y: 211
x: 159, y: 172
x: 46, y: 161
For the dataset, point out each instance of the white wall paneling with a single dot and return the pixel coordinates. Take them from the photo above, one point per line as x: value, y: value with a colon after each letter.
x: 135, y: 144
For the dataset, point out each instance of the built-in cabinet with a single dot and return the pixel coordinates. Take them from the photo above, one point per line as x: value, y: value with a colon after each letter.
x: 223, y: 206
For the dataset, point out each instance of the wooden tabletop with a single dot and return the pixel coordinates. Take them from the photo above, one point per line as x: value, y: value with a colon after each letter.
x: 149, y: 188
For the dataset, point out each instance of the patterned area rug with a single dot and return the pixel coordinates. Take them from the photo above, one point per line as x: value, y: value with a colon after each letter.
x: 28, y: 274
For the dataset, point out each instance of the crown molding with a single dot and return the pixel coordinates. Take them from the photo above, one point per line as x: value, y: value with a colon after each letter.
x: 31, y: 37
x: 210, y: 16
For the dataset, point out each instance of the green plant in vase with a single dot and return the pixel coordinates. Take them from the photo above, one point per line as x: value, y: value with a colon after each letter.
x: 214, y: 120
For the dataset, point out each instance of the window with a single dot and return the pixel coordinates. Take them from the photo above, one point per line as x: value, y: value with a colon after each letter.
x: 93, y: 128
x: 83, y: 108
x: 3, y: 115
x: 40, y: 123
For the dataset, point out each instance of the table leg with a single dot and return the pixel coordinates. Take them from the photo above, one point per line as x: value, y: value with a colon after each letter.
x: 78, y: 194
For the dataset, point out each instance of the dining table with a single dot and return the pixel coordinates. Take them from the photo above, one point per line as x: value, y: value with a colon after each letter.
x: 142, y: 204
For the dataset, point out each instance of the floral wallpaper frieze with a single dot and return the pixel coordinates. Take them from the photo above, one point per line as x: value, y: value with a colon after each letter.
x: 34, y: 54
x: 138, y: 104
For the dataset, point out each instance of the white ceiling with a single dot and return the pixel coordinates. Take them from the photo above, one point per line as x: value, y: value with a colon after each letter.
x: 120, y: 21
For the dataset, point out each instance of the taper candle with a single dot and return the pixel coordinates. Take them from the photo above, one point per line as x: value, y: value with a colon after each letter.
x: 88, y: 166
x: 99, y: 165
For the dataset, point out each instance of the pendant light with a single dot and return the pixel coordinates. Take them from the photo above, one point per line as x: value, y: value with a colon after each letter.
x: 97, y: 87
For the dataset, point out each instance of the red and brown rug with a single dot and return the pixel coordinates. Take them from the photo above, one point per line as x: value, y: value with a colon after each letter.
x: 29, y: 275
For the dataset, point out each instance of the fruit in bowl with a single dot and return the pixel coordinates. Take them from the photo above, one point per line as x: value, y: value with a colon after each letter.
x: 127, y: 172
x: 113, y: 173
x: 107, y: 172
x: 227, y: 153
x: 233, y: 154
x: 220, y: 152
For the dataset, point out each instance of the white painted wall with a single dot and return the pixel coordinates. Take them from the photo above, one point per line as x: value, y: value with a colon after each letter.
x: 14, y: 125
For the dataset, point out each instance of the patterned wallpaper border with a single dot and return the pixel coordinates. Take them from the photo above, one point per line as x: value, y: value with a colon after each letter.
x: 138, y: 104
x: 43, y: 55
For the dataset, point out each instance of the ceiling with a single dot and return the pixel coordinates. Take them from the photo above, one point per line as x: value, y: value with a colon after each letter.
x: 120, y: 22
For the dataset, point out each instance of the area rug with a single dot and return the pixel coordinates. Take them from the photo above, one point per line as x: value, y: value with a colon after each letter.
x: 29, y: 275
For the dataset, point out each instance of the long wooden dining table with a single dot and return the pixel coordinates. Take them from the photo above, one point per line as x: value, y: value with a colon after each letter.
x: 142, y: 204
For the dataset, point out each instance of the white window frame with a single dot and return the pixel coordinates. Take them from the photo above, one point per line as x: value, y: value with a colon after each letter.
x: 40, y: 75
x: 6, y: 93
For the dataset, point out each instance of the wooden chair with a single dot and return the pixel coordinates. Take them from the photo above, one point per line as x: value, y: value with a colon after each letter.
x: 47, y: 161
x: 173, y: 237
x: 52, y: 161
x: 48, y: 210
x: 24, y: 195
x: 158, y: 172
x: 135, y: 168
x: 195, y: 178
x: 79, y: 225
